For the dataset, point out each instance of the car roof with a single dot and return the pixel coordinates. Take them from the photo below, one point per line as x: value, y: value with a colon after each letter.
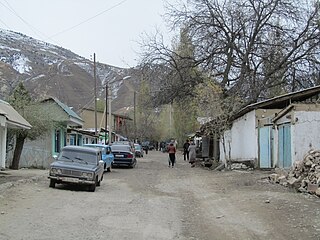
x: 95, y: 145
x: 121, y: 143
x: 121, y: 146
x: 81, y: 149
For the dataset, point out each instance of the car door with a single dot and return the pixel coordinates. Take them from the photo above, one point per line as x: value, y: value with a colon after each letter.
x: 109, y: 155
x: 100, y: 165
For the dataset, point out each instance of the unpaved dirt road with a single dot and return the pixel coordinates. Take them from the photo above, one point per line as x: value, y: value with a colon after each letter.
x: 153, y: 201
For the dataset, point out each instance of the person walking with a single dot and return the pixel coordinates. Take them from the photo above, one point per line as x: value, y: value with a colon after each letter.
x: 146, y: 149
x: 192, y: 154
x: 172, y: 154
x: 186, y: 150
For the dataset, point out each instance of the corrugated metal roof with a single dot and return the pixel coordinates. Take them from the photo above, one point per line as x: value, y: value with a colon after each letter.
x: 65, y: 108
x: 281, y: 101
x: 14, y: 119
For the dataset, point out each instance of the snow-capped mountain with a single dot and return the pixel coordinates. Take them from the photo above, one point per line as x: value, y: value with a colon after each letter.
x: 49, y: 70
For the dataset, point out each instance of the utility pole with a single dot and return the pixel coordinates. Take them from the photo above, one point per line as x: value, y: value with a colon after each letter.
x: 105, y: 118
x: 170, y: 119
x: 110, y: 121
x: 95, y: 94
x: 134, y: 116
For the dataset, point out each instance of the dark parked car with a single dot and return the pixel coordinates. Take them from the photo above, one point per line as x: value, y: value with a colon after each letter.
x: 77, y: 165
x: 123, y: 155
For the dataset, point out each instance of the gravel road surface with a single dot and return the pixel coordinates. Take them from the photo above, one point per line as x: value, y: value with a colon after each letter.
x: 153, y: 201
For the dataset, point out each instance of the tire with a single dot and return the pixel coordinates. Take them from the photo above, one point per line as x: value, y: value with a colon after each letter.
x: 133, y: 165
x: 52, y: 183
x: 98, y: 182
x: 92, y: 187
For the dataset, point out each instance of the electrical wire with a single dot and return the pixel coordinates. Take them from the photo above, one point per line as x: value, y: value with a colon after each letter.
x: 33, y: 29
x: 87, y: 20
x: 61, y: 32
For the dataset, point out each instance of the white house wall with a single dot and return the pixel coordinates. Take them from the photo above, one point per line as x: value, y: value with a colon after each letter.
x: 306, y: 132
x: 3, y: 137
x: 242, y: 140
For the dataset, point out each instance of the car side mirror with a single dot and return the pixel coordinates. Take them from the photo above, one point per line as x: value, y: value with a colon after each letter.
x: 101, y: 162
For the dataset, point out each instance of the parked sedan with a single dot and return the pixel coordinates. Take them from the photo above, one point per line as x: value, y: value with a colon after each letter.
x: 107, y: 155
x: 123, y: 155
x: 77, y: 165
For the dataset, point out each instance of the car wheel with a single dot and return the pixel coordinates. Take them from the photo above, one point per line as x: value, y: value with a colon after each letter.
x: 98, y: 182
x: 92, y: 187
x: 52, y: 183
x: 101, y: 179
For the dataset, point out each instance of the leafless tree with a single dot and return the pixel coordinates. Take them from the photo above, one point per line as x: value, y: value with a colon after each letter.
x: 248, y: 47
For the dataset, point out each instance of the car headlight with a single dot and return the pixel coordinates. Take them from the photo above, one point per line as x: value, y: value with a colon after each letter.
x: 55, y: 171
x: 87, y: 174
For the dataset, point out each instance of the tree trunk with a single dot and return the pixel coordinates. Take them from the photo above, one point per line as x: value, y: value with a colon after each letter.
x: 17, y: 152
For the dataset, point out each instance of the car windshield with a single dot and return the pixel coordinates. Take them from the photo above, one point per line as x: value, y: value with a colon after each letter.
x: 137, y: 147
x: 82, y: 157
x: 120, y: 148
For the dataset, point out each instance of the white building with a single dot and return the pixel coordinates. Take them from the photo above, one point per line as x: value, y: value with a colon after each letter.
x: 9, y: 118
x: 276, y: 132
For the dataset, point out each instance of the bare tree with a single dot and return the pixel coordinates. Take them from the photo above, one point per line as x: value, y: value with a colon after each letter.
x: 233, y: 40
x: 246, y: 46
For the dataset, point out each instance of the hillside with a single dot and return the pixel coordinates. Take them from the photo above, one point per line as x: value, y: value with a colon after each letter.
x: 49, y: 70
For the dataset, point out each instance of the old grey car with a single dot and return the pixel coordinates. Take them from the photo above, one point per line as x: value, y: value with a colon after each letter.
x: 78, y: 165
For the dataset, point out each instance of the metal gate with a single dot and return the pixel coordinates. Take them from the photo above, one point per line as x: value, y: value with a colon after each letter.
x: 284, y: 147
x: 265, y: 147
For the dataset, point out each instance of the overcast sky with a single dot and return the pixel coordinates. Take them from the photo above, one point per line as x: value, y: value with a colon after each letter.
x: 109, y: 28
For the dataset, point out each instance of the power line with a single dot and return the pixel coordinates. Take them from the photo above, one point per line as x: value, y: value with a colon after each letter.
x: 33, y: 29
x: 87, y: 20
x: 59, y: 33
x: 4, y: 23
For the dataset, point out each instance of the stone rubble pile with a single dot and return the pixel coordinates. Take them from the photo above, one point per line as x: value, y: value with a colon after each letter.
x: 304, y: 176
x: 239, y: 166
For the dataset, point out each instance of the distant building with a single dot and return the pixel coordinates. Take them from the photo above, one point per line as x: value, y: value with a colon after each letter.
x: 118, y: 122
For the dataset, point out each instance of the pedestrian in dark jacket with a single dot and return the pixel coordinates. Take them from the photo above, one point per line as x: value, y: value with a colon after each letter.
x: 186, y: 150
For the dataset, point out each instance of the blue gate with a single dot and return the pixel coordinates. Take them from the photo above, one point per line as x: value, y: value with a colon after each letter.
x: 284, y: 146
x: 265, y: 147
